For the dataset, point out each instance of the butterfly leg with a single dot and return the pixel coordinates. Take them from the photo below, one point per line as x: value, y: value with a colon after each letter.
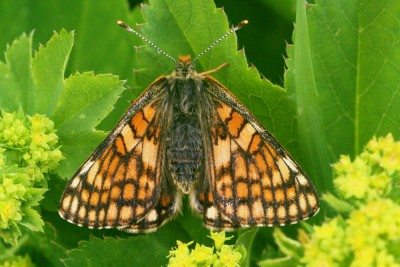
x: 204, y: 73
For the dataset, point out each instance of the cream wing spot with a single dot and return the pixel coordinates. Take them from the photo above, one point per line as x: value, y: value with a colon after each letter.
x: 92, y: 216
x: 82, y: 212
x: 102, y: 214
x: 221, y: 157
x: 75, y: 182
x: 302, y: 202
x: 152, y: 216
x: 281, y: 211
x: 243, y: 212
x: 74, y: 205
x: 270, y: 214
x: 312, y: 200
x: 229, y: 210
x: 276, y: 178
x: 258, y: 209
x: 87, y: 167
x: 293, y: 210
x: 126, y: 213
x: 91, y: 176
x: 291, y: 164
x: 245, y: 136
x: 284, y: 170
x: 129, y: 138
x: 66, y: 202
x: 149, y: 154
x: 212, y: 213
x: 302, y: 179
x: 112, y: 212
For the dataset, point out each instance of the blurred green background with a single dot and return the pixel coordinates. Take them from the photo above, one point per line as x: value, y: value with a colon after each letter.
x: 264, y: 39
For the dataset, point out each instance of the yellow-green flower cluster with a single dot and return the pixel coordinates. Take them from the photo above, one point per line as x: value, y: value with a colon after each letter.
x: 220, y: 255
x: 372, y: 174
x: 43, y: 154
x: 13, y: 129
x: 370, y: 235
x: 327, y: 246
x: 28, y: 152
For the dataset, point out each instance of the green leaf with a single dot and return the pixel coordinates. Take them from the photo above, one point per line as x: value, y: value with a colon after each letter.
x: 301, y: 83
x: 48, y: 69
x: 288, y: 246
x: 16, y: 85
x: 31, y: 220
x: 279, y: 262
x: 85, y: 100
x: 143, y: 250
x: 337, y: 204
x: 44, y: 246
x: 34, y: 196
x: 247, y: 239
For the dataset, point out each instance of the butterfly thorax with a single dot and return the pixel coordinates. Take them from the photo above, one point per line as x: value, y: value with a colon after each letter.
x: 184, y: 138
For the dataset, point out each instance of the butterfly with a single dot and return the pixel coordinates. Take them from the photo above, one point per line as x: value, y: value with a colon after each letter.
x: 186, y: 133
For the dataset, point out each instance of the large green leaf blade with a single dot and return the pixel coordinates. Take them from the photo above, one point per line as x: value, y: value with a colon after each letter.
x: 378, y: 80
x: 48, y: 69
x: 16, y: 85
x: 311, y: 135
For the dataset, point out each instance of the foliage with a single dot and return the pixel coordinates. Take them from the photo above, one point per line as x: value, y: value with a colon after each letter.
x: 341, y: 89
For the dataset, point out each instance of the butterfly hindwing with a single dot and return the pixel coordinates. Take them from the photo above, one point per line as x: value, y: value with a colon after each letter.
x: 119, y: 185
x: 253, y: 180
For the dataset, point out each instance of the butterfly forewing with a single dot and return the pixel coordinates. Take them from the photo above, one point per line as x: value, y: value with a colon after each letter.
x: 253, y: 180
x: 119, y: 185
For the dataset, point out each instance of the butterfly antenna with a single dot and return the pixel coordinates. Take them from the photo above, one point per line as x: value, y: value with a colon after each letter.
x: 232, y: 30
x: 126, y: 27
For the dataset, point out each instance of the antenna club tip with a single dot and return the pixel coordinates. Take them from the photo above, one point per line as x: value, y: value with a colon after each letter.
x: 243, y: 23
x: 122, y: 24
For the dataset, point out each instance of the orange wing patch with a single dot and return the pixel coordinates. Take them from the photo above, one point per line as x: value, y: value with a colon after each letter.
x: 253, y: 180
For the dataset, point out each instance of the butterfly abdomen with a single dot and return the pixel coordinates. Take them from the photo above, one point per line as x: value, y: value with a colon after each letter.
x: 184, y: 137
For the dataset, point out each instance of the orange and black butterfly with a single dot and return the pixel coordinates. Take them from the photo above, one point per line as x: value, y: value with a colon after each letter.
x: 188, y: 134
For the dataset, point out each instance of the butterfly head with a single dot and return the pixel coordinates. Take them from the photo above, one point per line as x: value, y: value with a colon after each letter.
x: 184, y: 68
